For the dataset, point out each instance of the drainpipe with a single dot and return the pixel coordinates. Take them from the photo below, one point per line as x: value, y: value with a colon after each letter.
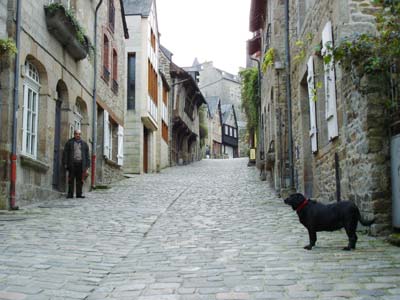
x: 94, y: 108
x: 289, y: 97
x: 13, y: 156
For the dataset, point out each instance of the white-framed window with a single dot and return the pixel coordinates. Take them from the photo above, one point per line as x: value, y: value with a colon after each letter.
x: 226, y: 130
x: 78, y: 117
x: 30, y: 110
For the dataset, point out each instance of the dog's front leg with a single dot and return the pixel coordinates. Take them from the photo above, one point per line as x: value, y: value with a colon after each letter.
x: 313, y: 239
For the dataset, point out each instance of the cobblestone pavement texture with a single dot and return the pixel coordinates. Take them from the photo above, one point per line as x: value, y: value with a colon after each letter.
x: 210, y: 230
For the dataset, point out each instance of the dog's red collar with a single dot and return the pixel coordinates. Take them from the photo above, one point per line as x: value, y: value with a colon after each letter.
x: 301, y: 206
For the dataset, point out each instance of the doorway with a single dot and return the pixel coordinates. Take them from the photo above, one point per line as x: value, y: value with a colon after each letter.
x: 58, y: 180
x: 145, y: 150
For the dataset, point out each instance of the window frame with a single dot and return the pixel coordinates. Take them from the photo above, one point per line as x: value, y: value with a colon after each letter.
x: 30, y: 110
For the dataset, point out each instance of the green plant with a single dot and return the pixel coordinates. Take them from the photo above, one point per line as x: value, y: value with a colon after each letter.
x: 374, y: 56
x: 314, y: 91
x: 80, y: 32
x: 7, y: 47
x: 250, y: 99
x: 269, y: 58
x: 301, y: 47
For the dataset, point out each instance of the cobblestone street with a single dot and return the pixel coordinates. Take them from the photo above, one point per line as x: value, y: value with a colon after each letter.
x: 210, y: 230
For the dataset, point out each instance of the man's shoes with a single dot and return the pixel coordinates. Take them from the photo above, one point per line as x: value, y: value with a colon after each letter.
x: 80, y: 196
x: 70, y: 196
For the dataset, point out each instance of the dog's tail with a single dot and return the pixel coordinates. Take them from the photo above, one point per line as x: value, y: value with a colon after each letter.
x: 365, y: 222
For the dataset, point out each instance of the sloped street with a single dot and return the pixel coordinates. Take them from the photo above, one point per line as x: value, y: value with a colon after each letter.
x: 209, y: 230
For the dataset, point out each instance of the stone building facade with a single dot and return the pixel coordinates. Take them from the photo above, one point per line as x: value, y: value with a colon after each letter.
x: 214, y: 139
x: 186, y: 102
x: 112, y: 32
x: 267, y: 25
x: 144, y: 96
x: 54, y: 84
x: 214, y: 82
x: 164, y: 139
x: 340, y: 137
x: 54, y: 95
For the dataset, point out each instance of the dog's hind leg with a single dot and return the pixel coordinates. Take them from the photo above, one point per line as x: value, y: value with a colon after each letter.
x: 351, y: 233
x: 313, y: 239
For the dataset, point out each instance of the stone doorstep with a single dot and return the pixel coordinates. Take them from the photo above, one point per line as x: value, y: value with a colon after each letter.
x: 232, y: 296
x: 11, y: 296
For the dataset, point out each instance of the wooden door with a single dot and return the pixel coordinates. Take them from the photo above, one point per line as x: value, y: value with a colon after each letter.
x: 145, y: 150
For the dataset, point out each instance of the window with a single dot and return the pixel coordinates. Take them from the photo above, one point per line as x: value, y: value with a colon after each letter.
x: 30, y: 110
x: 153, y: 40
x: 115, y: 72
x: 131, y: 80
x: 113, y: 139
x: 165, y: 132
x: 152, y: 83
x: 106, y: 54
x: 226, y: 130
x: 235, y: 133
x: 111, y: 15
x: 164, y: 105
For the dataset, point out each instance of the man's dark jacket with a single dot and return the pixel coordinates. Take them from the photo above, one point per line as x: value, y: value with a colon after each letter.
x: 68, y: 155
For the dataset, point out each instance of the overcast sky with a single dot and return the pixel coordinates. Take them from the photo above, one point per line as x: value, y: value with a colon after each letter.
x: 211, y: 30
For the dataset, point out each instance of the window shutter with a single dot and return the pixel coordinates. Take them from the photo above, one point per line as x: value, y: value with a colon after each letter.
x: 106, y: 132
x: 311, y: 100
x: 330, y: 85
x: 120, y: 155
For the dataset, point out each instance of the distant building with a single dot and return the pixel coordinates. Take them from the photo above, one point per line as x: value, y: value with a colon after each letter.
x: 214, y: 126
x: 214, y: 82
x: 144, y: 100
x: 230, y: 131
x: 186, y: 99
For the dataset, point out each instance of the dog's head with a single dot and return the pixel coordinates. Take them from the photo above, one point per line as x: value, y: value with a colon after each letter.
x: 294, y: 200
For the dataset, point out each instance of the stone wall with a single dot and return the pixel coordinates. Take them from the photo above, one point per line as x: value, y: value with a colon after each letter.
x: 362, y: 144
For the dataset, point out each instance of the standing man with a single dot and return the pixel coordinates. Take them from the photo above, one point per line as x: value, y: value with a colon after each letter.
x: 76, y: 161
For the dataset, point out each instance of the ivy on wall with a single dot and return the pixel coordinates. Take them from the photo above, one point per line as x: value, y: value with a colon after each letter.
x: 250, y: 99
x: 375, y: 56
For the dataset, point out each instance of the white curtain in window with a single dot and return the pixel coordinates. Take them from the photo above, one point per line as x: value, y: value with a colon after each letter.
x: 120, y: 155
x: 106, y: 133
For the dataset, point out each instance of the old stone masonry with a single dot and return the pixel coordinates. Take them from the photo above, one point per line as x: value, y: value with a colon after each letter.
x: 210, y: 230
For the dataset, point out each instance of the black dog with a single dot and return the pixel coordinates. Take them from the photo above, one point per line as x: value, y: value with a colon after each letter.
x: 319, y: 217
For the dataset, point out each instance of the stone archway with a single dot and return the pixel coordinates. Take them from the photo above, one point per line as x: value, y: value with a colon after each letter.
x: 61, y: 135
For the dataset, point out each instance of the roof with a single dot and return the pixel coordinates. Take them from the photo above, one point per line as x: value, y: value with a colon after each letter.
x: 187, y: 79
x: 138, y: 7
x: 226, y: 110
x: 166, y: 52
x: 126, y: 33
x: 212, y: 103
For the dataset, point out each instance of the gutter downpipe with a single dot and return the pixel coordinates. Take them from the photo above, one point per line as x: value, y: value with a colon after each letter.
x: 13, y: 156
x: 289, y: 97
x: 94, y: 107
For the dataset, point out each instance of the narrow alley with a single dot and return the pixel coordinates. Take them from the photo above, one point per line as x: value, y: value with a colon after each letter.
x: 209, y: 230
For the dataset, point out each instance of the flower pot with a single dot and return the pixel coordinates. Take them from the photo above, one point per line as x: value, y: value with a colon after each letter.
x: 62, y: 28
